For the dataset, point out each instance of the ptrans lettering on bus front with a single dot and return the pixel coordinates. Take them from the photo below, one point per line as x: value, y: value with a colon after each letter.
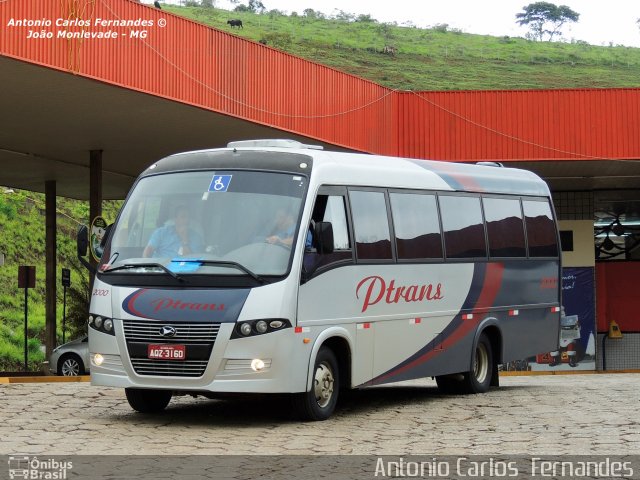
x: 273, y: 267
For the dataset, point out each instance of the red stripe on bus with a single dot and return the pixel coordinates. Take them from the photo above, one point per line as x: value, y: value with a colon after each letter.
x: 132, y: 300
x: 491, y: 287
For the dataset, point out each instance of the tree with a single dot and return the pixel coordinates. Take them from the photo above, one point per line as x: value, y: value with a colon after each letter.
x: 256, y: 6
x: 544, y: 18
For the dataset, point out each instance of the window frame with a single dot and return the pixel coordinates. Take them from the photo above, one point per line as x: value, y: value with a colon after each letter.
x: 335, y: 191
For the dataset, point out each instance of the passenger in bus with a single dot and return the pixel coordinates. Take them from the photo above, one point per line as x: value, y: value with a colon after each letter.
x: 176, y: 239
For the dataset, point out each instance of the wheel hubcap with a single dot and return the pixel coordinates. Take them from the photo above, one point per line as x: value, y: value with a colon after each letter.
x: 481, y: 364
x: 70, y: 368
x: 323, y: 385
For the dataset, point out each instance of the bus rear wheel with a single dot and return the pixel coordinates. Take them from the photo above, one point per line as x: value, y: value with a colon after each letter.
x: 148, y: 401
x: 476, y: 380
x: 320, y: 402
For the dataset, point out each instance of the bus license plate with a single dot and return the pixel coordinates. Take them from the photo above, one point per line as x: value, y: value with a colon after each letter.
x: 166, y: 352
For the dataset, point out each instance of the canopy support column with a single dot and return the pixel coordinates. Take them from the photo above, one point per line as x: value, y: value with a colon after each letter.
x: 51, y: 266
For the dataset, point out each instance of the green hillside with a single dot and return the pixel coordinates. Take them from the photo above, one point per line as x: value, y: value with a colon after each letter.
x: 22, y: 236
x: 431, y: 59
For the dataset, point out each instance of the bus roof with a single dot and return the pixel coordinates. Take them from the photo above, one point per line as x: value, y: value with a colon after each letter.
x: 338, y: 168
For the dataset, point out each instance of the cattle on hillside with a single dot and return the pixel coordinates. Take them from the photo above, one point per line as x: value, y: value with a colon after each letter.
x: 235, y: 23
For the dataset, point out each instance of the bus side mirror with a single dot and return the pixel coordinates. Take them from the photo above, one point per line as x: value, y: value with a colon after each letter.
x: 323, y: 235
x: 82, y: 244
x: 82, y: 241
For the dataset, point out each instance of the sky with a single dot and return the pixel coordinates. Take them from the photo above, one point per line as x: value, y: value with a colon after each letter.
x: 601, y: 22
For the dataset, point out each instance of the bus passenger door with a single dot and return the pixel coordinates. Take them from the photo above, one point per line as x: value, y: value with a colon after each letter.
x: 326, y: 295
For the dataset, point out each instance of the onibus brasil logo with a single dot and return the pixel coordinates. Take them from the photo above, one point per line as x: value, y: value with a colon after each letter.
x: 33, y: 468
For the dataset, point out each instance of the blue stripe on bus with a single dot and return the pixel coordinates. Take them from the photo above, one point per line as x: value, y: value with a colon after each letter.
x: 478, y: 284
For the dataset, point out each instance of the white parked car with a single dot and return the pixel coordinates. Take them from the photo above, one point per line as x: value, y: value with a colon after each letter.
x: 71, y: 359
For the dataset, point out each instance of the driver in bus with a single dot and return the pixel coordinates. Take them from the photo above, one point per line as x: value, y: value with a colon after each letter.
x: 177, y: 239
x: 284, y: 230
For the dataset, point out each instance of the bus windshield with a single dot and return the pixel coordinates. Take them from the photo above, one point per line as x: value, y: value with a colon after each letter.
x: 207, y: 222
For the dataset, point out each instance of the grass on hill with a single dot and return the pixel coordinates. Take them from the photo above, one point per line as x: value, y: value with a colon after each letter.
x: 22, y: 241
x: 432, y: 59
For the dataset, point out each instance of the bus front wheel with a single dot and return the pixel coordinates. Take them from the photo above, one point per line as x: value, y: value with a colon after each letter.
x: 148, y: 401
x: 320, y: 402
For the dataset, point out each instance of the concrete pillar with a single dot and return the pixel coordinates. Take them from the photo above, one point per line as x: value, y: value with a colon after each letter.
x: 95, y: 189
x: 51, y: 266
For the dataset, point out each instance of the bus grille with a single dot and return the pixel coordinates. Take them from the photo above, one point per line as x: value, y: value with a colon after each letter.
x: 198, y: 339
x: 169, y: 368
x: 186, y: 333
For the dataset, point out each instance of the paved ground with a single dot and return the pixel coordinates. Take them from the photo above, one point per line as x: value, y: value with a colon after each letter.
x: 576, y: 414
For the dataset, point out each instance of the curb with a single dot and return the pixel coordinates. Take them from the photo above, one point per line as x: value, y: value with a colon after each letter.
x: 567, y: 372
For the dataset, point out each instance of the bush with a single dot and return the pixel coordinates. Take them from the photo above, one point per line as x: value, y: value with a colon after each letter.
x: 441, y: 27
x: 280, y: 40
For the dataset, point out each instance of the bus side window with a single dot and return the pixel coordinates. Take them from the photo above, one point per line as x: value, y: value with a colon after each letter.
x: 505, y: 229
x: 416, y: 226
x: 336, y: 214
x: 371, y: 225
x: 541, y: 230
x: 463, y: 226
x: 329, y: 208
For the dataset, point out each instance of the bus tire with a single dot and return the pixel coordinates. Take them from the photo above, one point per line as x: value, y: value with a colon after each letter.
x: 478, y: 379
x: 320, y: 402
x: 148, y: 401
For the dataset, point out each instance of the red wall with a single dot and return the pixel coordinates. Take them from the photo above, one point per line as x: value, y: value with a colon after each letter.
x: 191, y: 63
x: 520, y: 124
x: 618, y: 295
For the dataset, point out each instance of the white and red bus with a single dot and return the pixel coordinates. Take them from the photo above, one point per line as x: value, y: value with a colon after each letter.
x: 274, y: 267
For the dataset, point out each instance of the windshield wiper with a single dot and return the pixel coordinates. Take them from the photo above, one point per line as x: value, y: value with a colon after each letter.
x: 129, y: 266
x: 225, y: 263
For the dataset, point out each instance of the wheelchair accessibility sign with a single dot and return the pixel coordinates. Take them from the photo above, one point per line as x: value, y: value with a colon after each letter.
x: 220, y: 183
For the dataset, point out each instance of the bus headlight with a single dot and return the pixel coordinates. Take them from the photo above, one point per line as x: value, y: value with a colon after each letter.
x: 261, y: 326
x: 101, y: 324
x: 249, y: 328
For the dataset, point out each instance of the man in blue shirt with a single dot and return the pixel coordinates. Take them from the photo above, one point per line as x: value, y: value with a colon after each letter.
x: 175, y: 240
x: 284, y: 230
